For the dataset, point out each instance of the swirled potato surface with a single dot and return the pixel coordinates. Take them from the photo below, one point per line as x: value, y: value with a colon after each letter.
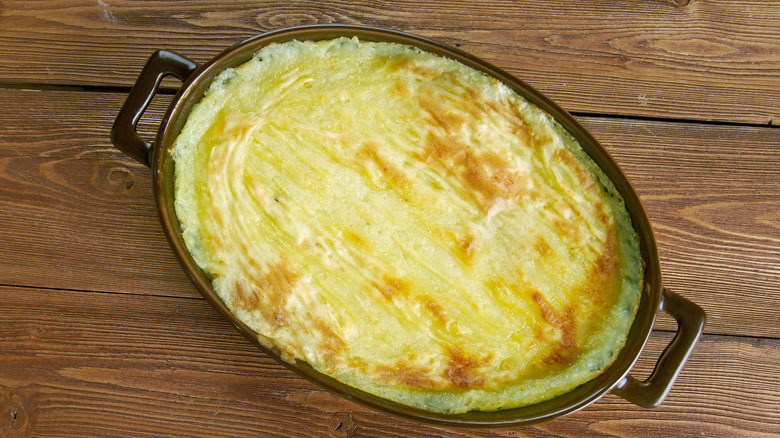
x: 406, y: 225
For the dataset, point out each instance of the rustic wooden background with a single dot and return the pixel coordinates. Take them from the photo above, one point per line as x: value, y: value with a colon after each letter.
x: 101, y: 334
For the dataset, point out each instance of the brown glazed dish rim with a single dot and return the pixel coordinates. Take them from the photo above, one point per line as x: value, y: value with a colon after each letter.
x: 163, y: 172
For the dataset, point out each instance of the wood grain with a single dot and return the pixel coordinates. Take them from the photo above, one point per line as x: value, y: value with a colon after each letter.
x: 103, y: 364
x: 713, y: 196
x: 685, y: 59
x: 101, y: 333
x: 74, y: 209
x: 78, y: 214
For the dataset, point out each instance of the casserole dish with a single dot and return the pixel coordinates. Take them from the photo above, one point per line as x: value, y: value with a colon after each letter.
x: 654, y: 297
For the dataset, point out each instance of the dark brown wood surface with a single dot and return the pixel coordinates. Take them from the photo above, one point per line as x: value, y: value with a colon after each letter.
x: 690, y: 59
x: 101, y: 333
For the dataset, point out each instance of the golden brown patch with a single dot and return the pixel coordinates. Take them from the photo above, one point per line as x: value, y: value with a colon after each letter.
x: 435, y: 309
x: 407, y: 375
x: 487, y: 176
x: 471, y: 111
x: 215, y: 239
x: 445, y: 118
x: 478, y: 106
x: 400, y: 64
x: 370, y: 152
x: 601, y: 278
x: 332, y: 347
x: 356, y: 238
x: 492, y: 176
x: 244, y: 295
x: 391, y: 287
x: 566, y: 351
x: 466, y: 248
x: 402, y: 89
x: 275, y: 285
x: 516, y: 121
x: 462, y: 371
x: 567, y: 348
x: 542, y: 247
x: 404, y: 65
x: 601, y: 214
x: 568, y: 229
x: 607, y: 262
x: 567, y: 160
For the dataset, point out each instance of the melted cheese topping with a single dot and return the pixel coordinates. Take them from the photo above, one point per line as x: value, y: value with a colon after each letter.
x: 407, y: 225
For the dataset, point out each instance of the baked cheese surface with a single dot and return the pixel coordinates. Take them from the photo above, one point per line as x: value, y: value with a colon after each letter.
x: 406, y: 225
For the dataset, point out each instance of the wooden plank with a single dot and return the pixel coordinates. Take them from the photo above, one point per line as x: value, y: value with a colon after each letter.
x: 101, y: 364
x: 713, y: 196
x: 78, y: 214
x: 697, y: 60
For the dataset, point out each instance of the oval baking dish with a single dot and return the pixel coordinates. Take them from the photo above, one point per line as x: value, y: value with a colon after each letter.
x: 654, y: 297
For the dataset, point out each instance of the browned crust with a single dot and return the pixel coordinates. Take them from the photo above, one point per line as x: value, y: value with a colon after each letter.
x: 463, y: 370
x: 566, y: 350
x: 332, y: 347
x: 603, y: 273
x: 391, y: 287
x: 607, y: 262
x: 435, y: 309
x: 402, y: 373
x: 466, y: 248
x: 567, y: 160
x: 274, y: 284
x: 486, y: 176
x: 369, y: 152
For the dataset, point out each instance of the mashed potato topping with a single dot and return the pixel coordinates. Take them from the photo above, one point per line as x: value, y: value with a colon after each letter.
x: 406, y: 225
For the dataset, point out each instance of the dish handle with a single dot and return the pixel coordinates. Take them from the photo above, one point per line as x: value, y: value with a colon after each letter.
x: 690, y: 324
x: 124, y: 134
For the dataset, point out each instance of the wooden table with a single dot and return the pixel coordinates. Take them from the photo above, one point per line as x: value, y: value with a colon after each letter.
x: 102, y: 334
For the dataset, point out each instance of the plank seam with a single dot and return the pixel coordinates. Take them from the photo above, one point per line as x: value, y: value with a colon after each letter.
x: 163, y: 90
x: 660, y: 332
